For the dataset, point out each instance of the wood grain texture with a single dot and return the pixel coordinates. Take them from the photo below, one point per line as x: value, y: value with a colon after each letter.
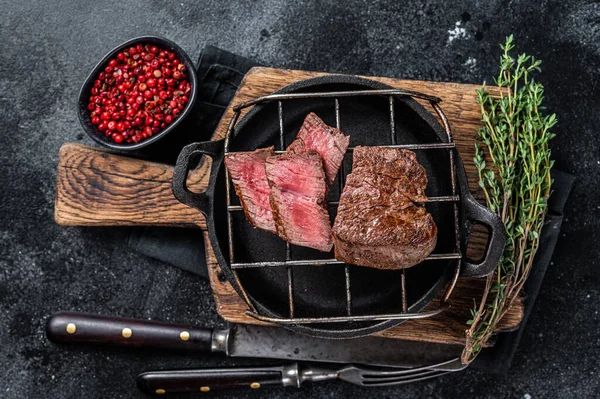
x: 97, y: 188
x: 459, y: 105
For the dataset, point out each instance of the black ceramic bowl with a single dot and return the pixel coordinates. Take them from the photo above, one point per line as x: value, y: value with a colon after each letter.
x: 84, y: 94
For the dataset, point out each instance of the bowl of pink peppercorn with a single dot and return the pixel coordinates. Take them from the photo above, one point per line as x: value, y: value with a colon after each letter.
x: 138, y: 93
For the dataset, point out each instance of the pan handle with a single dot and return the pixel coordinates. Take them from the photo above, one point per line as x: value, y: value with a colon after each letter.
x: 200, y: 201
x: 474, y: 212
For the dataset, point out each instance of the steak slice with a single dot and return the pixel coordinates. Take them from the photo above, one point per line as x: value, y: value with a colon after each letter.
x: 298, y: 188
x: 329, y: 142
x: 247, y: 172
x: 378, y: 224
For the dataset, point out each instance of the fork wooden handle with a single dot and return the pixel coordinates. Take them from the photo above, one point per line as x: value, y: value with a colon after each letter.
x: 205, y: 380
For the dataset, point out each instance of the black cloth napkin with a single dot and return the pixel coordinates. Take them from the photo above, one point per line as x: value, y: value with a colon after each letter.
x: 220, y: 74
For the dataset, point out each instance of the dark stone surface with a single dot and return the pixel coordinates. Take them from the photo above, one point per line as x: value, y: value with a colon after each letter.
x: 48, y: 48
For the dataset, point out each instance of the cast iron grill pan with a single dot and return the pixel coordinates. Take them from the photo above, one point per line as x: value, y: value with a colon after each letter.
x: 317, y: 296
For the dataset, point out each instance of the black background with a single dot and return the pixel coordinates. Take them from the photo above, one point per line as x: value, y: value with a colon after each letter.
x: 46, y: 51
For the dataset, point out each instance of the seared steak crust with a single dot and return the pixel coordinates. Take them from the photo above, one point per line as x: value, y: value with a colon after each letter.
x: 378, y: 223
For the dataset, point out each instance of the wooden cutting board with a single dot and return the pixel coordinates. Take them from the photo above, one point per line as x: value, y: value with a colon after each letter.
x: 97, y: 188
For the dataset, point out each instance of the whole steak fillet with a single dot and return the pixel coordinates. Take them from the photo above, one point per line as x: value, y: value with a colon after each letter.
x: 378, y: 224
x: 298, y: 188
x: 329, y: 142
x: 247, y: 172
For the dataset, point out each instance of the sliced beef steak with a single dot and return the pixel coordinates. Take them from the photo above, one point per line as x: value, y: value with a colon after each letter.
x: 378, y: 223
x: 298, y: 188
x: 247, y: 172
x: 286, y: 194
x: 329, y: 142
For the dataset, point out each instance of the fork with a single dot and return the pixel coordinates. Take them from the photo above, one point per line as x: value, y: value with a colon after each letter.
x: 205, y: 380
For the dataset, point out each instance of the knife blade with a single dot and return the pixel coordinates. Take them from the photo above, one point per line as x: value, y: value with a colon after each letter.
x: 277, y: 343
x: 244, y: 341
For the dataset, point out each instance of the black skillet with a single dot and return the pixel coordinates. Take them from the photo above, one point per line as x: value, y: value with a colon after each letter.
x: 320, y: 290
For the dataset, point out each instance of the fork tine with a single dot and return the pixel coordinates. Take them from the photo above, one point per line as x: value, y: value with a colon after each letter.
x: 404, y: 380
x: 372, y: 373
x: 375, y: 379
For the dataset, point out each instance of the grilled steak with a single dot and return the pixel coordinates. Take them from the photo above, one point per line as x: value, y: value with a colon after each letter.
x: 392, y: 166
x: 285, y: 194
x: 329, y: 142
x: 247, y: 171
x: 378, y: 223
x: 298, y: 187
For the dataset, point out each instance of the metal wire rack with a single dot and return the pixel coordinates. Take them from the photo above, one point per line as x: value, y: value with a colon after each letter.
x: 289, y: 263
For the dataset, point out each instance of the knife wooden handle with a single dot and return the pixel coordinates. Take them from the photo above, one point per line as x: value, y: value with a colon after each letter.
x: 73, y: 327
x: 205, y: 380
x: 97, y: 188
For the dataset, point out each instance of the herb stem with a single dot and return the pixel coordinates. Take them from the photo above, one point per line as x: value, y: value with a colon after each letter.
x: 516, y: 185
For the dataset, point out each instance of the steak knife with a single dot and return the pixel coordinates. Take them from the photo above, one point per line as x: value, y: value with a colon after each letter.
x: 244, y: 341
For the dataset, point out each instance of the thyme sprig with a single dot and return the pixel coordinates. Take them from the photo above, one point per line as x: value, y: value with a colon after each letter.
x: 516, y: 185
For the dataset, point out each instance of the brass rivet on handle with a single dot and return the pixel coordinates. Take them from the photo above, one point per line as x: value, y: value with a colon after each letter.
x: 255, y: 385
x: 184, y: 335
x: 160, y: 391
x: 71, y: 328
x: 204, y: 389
x: 126, y: 333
